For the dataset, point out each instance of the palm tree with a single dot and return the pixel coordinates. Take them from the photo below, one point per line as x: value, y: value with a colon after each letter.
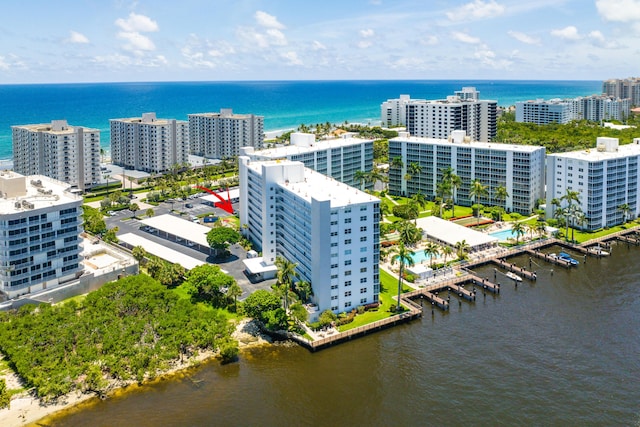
x: 574, y: 213
x: 562, y: 214
x: 501, y: 195
x: 555, y: 203
x: 405, y: 257
x: 360, y: 176
x: 462, y: 248
x: 541, y: 228
x: 150, y: 213
x: 409, y: 233
x: 234, y: 291
x: 571, y: 196
x: 286, y: 274
x: 518, y: 229
x: 454, y: 181
x: 431, y: 250
x: 133, y: 207
x: 447, y: 251
x: 625, y: 209
x: 420, y: 201
x: 414, y: 169
x: 304, y: 290
x: 443, y: 189
x: 476, y: 191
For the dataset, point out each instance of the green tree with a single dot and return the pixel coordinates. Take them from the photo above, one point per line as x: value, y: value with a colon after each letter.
x: 501, y: 195
x: 447, y: 251
x: 110, y: 236
x: 150, y: 213
x: 5, y: 396
x: 206, y: 282
x: 462, y: 249
x: 409, y: 233
x: 304, y: 290
x: 234, y: 291
x: 219, y: 238
x: 285, y: 277
x: 139, y: 253
x: 261, y: 302
x: 541, y: 228
x: 133, y: 207
x: 431, y: 250
x: 454, y: 181
x: 477, y: 191
x: 94, y: 222
x: 404, y: 257
x: 518, y: 229
x: 361, y: 177
x: 625, y: 209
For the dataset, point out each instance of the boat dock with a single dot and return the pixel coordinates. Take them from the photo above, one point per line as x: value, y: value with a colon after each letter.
x: 462, y: 292
x: 521, y: 271
x: 547, y: 257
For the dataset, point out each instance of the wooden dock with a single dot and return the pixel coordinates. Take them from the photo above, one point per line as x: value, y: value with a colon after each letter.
x: 521, y: 271
x: 462, y: 292
x: 546, y: 257
x: 485, y: 284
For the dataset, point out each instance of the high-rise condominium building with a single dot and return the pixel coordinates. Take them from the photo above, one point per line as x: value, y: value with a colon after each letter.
x: 393, y: 112
x: 604, y: 178
x: 329, y: 229
x: 437, y: 119
x: 67, y: 153
x: 623, y: 88
x: 220, y: 135
x: 595, y: 108
x: 41, y: 222
x: 149, y: 144
x: 517, y: 168
x: 338, y: 158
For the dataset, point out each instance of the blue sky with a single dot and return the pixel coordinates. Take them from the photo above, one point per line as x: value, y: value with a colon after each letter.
x: 161, y: 40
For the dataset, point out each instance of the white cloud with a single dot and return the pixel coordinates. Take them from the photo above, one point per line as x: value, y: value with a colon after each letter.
x: 75, y: 37
x: 429, y: 41
x: 137, y: 42
x: 119, y: 61
x: 291, y: 58
x: 367, y: 33
x: 363, y: 44
x: 619, y: 10
x: 476, y: 10
x: 488, y: 57
x: 137, y: 24
x: 567, y: 33
x: 3, y: 64
x: 464, y: 37
x: 268, y: 21
x: 276, y: 37
x: 524, y: 38
x: 316, y: 45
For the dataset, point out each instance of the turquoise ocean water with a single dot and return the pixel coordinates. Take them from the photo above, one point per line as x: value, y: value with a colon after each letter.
x: 284, y: 104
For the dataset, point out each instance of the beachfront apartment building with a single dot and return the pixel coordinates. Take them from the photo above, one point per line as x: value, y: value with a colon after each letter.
x: 604, y: 177
x: 149, y: 144
x: 329, y: 229
x: 393, y: 112
x: 221, y: 135
x: 40, y: 225
x: 518, y: 168
x: 339, y: 158
x: 623, y: 88
x: 438, y: 118
x: 594, y: 108
x: 66, y: 153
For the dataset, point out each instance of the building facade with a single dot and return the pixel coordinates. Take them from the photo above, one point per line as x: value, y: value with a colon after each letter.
x: 220, y: 135
x: 393, y: 112
x: 69, y: 154
x: 605, y: 178
x: 623, y: 88
x: 149, y: 144
x: 331, y: 230
x: 40, y: 223
x: 595, y: 108
x: 338, y: 158
x: 517, y: 168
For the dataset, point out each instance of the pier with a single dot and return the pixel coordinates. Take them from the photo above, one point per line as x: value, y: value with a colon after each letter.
x: 546, y: 257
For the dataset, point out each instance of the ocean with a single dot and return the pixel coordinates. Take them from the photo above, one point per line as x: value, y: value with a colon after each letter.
x: 284, y: 104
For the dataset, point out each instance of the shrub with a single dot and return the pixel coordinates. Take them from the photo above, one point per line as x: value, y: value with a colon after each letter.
x: 229, y: 351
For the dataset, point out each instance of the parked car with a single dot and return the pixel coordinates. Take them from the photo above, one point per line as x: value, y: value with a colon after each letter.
x: 111, y: 213
x: 189, y: 205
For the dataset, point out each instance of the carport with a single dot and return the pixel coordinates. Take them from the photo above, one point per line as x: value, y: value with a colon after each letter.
x: 179, y: 230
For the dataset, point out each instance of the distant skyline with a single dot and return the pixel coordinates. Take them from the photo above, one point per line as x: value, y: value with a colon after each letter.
x: 194, y: 40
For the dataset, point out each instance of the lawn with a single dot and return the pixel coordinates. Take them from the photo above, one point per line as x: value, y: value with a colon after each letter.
x: 584, y: 236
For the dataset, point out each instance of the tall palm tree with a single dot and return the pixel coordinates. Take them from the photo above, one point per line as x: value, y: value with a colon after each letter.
x: 285, y: 275
x: 420, y: 201
x: 414, y: 169
x: 234, y: 291
x: 431, y: 250
x: 454, y: 181
x: 574, y: 213
x: 361, y: 177
x: 462, y: 249
x: 541, y: 228
x: 409, y: 233
x: 446, y: 251
x: 501, y: 195
x: 625, y: 209
x: 562, y: 214
x: 555, y: 203
x: 476, y: 191
x: 443, y: 189
x: 518, y: 229
x: 404, y: 256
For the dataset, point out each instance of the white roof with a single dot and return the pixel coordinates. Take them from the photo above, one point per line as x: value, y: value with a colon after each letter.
x: 451, y: 233
x: 234, y: 193
x: 179, y: 227
x: 257, y: 265
x: 419, y: 269
x: 291, y: 149
x: 593, y: 155
x: 161, y: 251
x: 474, y: 144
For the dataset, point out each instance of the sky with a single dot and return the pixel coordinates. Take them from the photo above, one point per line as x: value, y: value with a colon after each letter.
x: 44, y: 41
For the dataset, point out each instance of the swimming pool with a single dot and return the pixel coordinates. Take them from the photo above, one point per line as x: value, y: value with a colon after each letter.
x: 503, y: 234
x: 419, y: 256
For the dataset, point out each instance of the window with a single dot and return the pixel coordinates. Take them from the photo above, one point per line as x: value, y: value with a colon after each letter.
x: 334, y: 222
x: 334, y: 297
x: 363, y: 280
x: 347, y: 283
x: 347, y: 231
x: 363, y: 270
x: 347, y: 220
x: 347, y: 210
x: 334, y: 276
x: 347, y: 294
x: 334, y: 308
x: 347, y: 262
x: 347, y: 273
x: 334, y: 265
x: 363, y: 218
x: 347, y: 251
x: 334, y: 244
x: 347, y: 241
x: 363, y: 300
x: 363, y: 208
x: 347, y: 304
x: 363, y: 259
x: 363, y: 228
x: 363, y: 290
x: 363, y: 239
x: 334, y: 233
x: 363, y: 249
x: 334, y: 286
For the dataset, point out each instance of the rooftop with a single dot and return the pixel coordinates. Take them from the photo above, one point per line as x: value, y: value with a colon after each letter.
x: 179, y: 227
x: 593, y: 155
x: 57, y: 127
x: 24, y: 193
x: 473, y: 144
x: 451, y: 233
x: 291, y: 149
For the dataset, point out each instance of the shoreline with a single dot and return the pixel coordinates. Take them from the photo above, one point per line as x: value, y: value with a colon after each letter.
x: 29, y: 410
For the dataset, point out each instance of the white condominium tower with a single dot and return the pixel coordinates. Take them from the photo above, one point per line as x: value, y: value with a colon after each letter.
x: 149, y: 144
x: 338, y: 158
x: 40, y: 223
x: 67, y: 153
x: 331, y: 230
x: 605, y: 178
x: 517, y: 168
x: 594, y: 108
x: 543, y: 112
x: 220, y: 135
x: 623, y: 88
x: 393, y: 112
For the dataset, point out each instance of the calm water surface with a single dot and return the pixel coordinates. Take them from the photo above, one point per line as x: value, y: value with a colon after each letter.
x: 562, y: 351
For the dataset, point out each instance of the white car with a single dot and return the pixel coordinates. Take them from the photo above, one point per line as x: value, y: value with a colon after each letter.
x: 111, y: 213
